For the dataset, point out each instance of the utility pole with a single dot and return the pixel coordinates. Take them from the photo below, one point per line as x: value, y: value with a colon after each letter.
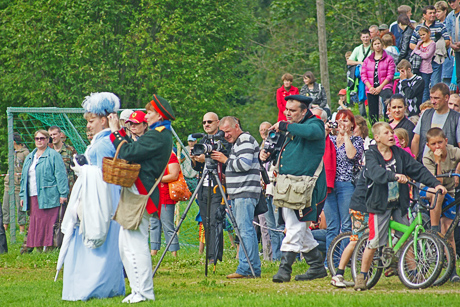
x: 322, y: 45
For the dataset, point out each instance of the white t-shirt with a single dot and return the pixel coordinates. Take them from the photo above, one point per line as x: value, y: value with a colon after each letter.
x: 32, y: 178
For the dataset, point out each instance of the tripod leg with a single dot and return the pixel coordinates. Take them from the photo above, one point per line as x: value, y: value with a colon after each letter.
x: 184, y: 215
x: 235, y: 226
x: 207, y: 232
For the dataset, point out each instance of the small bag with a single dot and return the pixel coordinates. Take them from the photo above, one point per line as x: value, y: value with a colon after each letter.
x: 294, y: 192
x: 178, y: 190
x: 131, y: 207
x: 261, y: 206
x: 58, y: 236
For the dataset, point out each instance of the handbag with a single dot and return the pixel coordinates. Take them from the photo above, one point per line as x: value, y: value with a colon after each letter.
x: 261, y: 206
x: 178, y: 189
x: 131, y: 206
x: 58, y: 236
x: 295, y: 192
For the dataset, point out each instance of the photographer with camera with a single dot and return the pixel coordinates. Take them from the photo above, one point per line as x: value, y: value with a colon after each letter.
x: 301, y: 158
x: 243, y: 189
x: 211, y: 127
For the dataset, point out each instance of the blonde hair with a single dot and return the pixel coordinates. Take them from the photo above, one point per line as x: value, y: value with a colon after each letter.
x: 401, y: 133
x: 426, y: 105
x: 379, y: 126
x: 44, y: 132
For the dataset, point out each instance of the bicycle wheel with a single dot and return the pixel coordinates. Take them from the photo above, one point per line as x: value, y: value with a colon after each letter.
x: 375, y: 270
x: 419, y: 269
x: 449, y: 261
x: 334, y: 253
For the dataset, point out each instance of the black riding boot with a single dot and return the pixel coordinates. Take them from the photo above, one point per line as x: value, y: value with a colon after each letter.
x: 316, y: 262
x: 285, y: 269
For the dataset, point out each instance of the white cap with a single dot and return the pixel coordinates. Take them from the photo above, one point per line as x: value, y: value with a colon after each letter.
x: 126, y: 114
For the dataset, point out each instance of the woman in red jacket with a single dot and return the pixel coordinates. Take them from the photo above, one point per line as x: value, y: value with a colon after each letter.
x: 286, y: 90
x: 377, y: 73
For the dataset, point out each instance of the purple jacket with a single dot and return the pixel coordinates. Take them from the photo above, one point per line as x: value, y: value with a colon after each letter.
x: 386, y: 70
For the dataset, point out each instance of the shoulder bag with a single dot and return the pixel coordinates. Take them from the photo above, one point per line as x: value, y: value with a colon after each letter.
x: 294, y: 192
x: 178, y: 190
x: 131, y: 206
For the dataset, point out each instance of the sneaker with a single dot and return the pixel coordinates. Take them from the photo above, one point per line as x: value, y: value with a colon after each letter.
x: 337, y: 281
x: 360, y: 283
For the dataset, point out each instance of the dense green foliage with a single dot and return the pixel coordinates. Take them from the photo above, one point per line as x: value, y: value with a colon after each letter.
x: 202, y: 55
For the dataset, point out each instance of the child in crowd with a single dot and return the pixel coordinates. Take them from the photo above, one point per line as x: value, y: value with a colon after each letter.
x: 402, y: 140
x: 425, y: 106
x: 386, y: 170
x: 439, y: 159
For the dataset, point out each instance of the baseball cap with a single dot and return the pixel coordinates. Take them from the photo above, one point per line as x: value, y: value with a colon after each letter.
x: 126, y: 114
x: 137, y: 118
x: 191, y: 138
x: 343, y: 92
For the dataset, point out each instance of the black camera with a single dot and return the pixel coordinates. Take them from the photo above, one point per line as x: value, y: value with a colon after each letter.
x: 81, y: 160
x: 210, y: 143
x: 333, y: 125
x: 274, y: 142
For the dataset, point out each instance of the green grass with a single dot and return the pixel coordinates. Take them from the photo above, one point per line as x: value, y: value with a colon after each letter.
x: 27, y: 280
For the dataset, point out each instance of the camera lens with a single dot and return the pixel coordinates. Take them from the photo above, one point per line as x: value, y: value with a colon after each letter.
x: 272, y: 133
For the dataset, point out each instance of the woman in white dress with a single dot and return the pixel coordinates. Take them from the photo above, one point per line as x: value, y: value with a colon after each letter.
x: 92, y: 263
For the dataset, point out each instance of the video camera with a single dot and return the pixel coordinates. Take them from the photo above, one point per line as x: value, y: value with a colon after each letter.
x: 210, y: 143
x: 274, y: 142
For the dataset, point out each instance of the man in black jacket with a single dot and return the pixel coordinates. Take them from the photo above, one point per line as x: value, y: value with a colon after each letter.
x: 211, y: 127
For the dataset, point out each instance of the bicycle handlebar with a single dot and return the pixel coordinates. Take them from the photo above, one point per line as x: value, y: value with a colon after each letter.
x: 450, y: 174
x: 429, y: 207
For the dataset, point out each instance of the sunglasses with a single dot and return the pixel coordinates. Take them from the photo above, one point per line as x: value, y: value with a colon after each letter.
x: 40, y: 138
x: 208, y: 122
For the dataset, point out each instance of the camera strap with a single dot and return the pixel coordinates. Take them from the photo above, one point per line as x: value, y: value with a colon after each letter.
x: 277, y: 166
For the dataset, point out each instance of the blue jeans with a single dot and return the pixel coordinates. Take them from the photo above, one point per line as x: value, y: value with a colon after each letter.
x: 426, y: 91
x: 320, y: 237
x: 243, y: 209
x: 436, y: 76
x: 272, y: 222
x: 167, y: 221
x: 336, y: 210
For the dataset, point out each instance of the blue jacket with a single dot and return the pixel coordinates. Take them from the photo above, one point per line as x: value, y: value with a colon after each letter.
x: 51, y: 179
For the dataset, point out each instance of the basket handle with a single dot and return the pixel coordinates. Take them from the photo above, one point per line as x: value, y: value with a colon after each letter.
x: 118, y: 150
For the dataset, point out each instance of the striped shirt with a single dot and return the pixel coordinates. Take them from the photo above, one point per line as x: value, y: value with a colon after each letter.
x: 242, y: 173
x: 434, y: 28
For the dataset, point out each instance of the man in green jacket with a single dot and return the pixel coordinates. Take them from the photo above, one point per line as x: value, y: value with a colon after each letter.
x: 301, y: 155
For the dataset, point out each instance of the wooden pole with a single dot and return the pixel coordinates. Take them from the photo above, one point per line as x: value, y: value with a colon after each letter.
x: 322, y: 45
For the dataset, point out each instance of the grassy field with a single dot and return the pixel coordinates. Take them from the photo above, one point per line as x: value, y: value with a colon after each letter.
x: 27, y: 280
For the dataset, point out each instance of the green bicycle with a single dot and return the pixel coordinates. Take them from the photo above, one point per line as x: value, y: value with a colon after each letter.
x: 419, y: 255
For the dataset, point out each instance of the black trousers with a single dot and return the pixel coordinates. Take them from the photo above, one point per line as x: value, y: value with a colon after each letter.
x: 373, y: 102
x: 211, y: 234
x: 3, y: 244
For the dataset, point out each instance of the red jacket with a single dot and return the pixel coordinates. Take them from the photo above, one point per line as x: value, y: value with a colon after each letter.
x: 330, y: 163
x: 280, y: 94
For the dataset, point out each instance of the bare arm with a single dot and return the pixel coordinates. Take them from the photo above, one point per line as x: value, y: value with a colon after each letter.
x: 174, y: 170
x: 415, y: 144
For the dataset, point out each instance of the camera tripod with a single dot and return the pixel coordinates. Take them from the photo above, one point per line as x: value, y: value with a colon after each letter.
x: 207, y: 173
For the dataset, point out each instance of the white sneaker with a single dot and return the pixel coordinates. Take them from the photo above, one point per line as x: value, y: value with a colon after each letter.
x: 337, y: 281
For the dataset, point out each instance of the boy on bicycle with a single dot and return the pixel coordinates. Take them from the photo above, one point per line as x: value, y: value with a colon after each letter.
x: 441, y: 158
x: 386, y: 170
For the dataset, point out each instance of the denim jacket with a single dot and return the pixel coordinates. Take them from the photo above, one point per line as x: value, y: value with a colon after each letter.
x: 51, y: 179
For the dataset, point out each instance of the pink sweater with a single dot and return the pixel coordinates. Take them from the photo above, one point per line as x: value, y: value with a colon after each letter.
x: 426, y: 53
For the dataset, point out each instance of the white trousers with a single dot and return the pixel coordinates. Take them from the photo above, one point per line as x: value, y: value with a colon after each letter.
x: 136, y: 258
x: 299, y: 238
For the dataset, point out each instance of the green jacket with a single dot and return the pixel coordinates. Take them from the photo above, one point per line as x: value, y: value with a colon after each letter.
x: 302, y: 155
x: 51, y: 179
x: 152, y: 151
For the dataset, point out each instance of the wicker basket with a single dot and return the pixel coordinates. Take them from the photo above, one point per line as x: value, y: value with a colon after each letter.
x: 119, y: 171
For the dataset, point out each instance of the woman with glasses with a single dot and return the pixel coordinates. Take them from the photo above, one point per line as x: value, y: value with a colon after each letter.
x: 44, y: 188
